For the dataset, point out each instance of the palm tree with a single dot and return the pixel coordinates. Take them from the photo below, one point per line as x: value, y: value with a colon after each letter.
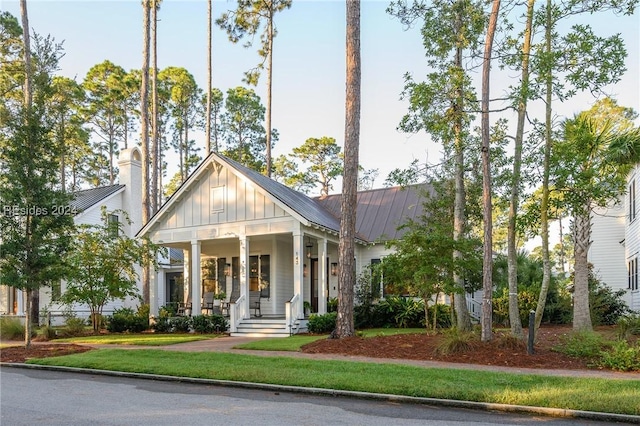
x: 590, y: 165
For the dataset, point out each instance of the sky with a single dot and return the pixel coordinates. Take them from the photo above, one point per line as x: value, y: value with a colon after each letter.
x: 309, y: 65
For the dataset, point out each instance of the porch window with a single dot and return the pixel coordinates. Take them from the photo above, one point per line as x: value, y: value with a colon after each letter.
x: 260, y: 274
x: 213, y: 278
x: 114, y: 228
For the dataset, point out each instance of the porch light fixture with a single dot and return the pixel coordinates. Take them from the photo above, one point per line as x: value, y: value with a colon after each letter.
x: 309, y: 246
x: 227, y: 270
x: 334, y: 269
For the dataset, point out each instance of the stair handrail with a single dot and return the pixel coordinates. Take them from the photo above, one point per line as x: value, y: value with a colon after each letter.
x: 291, y: 309
x: 237, y: 311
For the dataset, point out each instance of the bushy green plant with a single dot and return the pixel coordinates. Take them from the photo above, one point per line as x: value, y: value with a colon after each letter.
x: 401, y: 312
x: 455, y: 341
x: 325, y: 323
x: 206, y: 324
x: 628, y: 325
x: 168, y: 310
x: 181, y: 324
x: 443, y: 315
x: 126, y: 319
x: 621, y: 356
x: 48, y: 333
x: 74, y: 326
x: 162, y: 325
x: 607, y: 305
x: 11, y: 329
x: 332, y: 305
x: 582, y: 344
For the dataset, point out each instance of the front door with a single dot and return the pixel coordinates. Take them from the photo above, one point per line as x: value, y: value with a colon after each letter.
x: 315, y: 283
x: 175, y: 288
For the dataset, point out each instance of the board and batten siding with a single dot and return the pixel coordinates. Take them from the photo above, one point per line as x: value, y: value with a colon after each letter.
x: 201, y: 205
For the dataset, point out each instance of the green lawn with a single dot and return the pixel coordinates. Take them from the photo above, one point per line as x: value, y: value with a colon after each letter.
x: 613, y: 396
x: 138, y: 339
x: 295, y: 342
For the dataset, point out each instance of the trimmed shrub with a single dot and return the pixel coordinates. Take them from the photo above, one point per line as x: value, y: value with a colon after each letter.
x: 74, y: 326
x: 322, y: 323
x: 126, y: 319
x: 181, y: 324
x: 207, y: 324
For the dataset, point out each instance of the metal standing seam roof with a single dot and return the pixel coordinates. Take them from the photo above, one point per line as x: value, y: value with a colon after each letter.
x: 379, y: 212
x: 84, y: 199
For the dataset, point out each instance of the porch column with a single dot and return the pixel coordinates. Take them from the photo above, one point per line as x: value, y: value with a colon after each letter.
x: 161, y: 288
x: 244, y: 276
x: 196, y: 282
x: 20, y: 294
x: 322, y: 288
x: 154, y: 303
x: 186, y: 276
x: 298, y: 271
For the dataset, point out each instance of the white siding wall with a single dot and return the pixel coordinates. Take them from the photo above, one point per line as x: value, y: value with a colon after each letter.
x: 632, y: 236
x: 607, y: 251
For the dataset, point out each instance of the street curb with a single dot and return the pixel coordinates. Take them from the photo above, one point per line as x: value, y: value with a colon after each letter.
x: 484, y: 406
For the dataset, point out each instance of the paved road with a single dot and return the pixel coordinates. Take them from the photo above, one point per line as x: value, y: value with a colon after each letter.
x: 31, y: 397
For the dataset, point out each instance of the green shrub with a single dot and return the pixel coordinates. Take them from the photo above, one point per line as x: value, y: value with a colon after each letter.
x: 11, y: 329
x: 74, y: 326
x: 322, y: 323
x: 607, y: 305
x: 206, y: 324
x: 582, y: 344
x: 48, y: 333
x: 162, y: 325
x: 126, y: 319
x: 401, y: 312
x: 621, y: 357
x: 455, y: 341
x: 443, y: 315
x: 628, y: 325
x: 332, y: 305
x: 181, y: 324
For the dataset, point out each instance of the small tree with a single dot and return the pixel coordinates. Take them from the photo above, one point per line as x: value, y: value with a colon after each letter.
x: 103, y: 263
x: 423, y: 264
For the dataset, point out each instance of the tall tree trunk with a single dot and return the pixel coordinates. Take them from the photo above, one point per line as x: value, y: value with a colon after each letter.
x: 347, y: 276
x: 487, y: 264
x: 582, y: 241
x: 512, y: 252
x: 144, y: 129
x: 63, y: 153
x: 544, y: 203
x: 269, y: 93
x: 463, y: 320
x: 33, y: 295
x: 209, y: 78
x: 155, y: 141
x: 26, y: 40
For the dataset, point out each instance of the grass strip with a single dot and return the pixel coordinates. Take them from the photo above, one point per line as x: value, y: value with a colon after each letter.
x: 589, y: 394
x: 138, y: 339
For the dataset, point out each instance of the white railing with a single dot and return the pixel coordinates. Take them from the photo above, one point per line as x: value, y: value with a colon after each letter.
x: 474, y: 307
x: 237, y: 312
x: 292, y: 307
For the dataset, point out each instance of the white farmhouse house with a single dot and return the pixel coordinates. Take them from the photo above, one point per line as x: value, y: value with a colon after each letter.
x: 615, y: 249
x: 124, y: 196
x: 273, y: 251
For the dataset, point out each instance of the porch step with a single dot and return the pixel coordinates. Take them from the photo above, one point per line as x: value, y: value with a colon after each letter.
x: 259, y: 327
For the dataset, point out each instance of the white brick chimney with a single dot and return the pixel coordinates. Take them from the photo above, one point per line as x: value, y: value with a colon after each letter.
x: 130, y: 165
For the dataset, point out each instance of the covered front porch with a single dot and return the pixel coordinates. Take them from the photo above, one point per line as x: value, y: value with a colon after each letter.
x: 266, y: 284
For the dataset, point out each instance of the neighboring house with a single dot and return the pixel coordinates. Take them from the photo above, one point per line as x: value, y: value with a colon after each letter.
x: 615, y: 249
x: 87, y: 204
x: 632, y: 238
x: 264, y: 244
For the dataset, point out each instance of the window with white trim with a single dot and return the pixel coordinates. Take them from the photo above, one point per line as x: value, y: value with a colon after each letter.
x: 632, y: 267
x: 632, y: 200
